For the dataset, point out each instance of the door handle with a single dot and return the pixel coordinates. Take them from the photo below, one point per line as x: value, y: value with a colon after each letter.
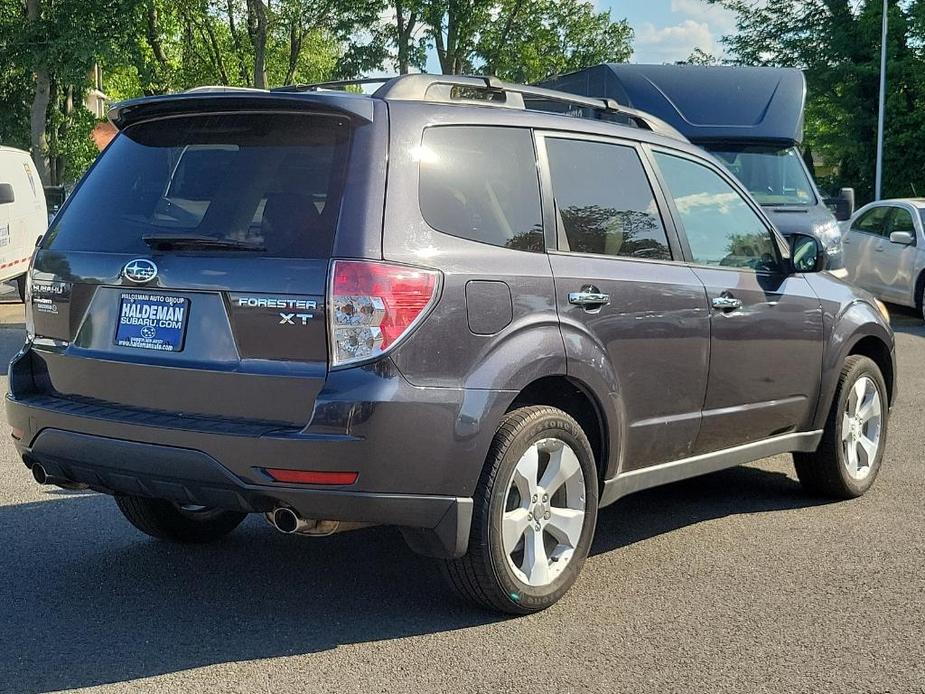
x: 726, y: 302
x: 589, y: 299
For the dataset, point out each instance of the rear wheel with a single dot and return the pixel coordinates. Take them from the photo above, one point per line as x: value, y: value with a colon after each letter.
x: 534, y: 517
x: 851, y: 452
x: 166, y: 520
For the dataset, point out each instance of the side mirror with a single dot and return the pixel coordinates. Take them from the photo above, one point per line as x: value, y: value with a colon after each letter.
x: 6, y: 194
x: 806, y: 254
x: 844, y: 204
x: 903, y: 238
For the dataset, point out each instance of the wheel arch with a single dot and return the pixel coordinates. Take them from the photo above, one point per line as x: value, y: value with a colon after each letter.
x: 877, y: 351
x: 919, y: 286
x: 577, y: 400
x: 860, y: 329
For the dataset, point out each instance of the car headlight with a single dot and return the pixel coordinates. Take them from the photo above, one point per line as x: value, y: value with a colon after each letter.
x: 829, y: 235
x: 884, y: 311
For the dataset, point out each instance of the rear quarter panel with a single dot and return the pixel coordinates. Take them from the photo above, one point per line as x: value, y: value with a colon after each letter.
x: 444, y: 351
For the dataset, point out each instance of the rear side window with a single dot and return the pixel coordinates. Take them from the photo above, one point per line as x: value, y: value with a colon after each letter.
x: 480, y: 183
x: 255, y: 182
x: 604, y: 201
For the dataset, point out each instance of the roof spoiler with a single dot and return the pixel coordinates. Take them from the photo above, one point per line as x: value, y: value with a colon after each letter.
x: 217, y: 99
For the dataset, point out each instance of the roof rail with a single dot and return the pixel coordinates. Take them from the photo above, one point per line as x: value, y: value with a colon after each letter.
x: 490, y: 91
x: 332, y: 84
x: 495, y: 92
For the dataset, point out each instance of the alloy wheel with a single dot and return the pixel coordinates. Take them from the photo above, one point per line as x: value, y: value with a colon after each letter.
x: 544, y: 513
x: 861, y: 426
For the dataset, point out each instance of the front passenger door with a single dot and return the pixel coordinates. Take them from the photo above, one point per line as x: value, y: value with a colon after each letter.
x: 895, y: 266
x: 860, y: 243
x: 766, y: 323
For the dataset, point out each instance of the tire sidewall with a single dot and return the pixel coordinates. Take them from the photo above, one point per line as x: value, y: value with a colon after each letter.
x: 525, y: 597
x: 864, y: 367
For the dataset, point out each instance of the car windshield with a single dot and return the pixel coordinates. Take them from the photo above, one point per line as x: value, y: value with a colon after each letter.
x: 260, y: 182
x: 773, y: 176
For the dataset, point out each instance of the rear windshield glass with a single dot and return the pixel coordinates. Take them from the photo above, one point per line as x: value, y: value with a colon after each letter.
x: 260, y: 183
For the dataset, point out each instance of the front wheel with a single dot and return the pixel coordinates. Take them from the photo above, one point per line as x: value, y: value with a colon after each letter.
x: 849, y: 457
x: 166, y: 520
x: 534, y: 517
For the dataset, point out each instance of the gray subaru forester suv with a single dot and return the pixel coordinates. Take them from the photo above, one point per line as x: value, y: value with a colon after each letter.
x: 474, y: 310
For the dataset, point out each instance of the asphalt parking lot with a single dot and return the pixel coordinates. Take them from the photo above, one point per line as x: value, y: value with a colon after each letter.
x: 733, y: 582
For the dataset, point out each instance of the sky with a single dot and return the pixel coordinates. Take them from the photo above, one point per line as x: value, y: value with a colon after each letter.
x: 665, y: 30
x: 670, y: 30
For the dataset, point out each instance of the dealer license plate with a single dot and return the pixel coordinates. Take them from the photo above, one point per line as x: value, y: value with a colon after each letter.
x: 152, y: 321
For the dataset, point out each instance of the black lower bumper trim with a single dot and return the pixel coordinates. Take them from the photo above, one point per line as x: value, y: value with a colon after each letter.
x: 119, y: 467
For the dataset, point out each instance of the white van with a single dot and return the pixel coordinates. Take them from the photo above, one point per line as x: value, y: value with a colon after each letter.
x: 23, y: 214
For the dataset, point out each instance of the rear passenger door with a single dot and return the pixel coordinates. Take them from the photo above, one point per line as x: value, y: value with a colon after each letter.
x: 766, y: 322
x: 630, y: 312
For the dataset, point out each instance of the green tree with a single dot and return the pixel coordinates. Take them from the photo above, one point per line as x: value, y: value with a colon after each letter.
x: 529, y: 40
x: 837, y: 44
x: 522, y: 40
x: 57, y: 43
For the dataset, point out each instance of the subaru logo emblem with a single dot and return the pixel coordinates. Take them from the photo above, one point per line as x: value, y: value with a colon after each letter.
x: 140, y: 270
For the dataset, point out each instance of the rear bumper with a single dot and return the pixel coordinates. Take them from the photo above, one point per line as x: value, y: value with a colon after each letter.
x: 418, y: 453
x: 438, y: 525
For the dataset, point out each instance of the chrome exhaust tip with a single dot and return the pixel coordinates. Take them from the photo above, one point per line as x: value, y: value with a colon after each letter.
x: 286, y: 520
x: 39, y: 474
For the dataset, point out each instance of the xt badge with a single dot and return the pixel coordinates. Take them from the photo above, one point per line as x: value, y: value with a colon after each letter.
x: 287, y: 318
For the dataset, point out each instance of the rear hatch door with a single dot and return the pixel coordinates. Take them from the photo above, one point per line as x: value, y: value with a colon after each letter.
x: 187, y: 273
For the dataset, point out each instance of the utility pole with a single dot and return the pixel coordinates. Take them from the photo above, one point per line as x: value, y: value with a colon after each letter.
x: 878, y: 191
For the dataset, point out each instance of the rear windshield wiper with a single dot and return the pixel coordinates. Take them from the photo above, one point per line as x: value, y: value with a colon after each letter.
x: 198, y: 241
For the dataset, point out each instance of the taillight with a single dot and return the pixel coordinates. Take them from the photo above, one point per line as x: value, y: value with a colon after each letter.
x: 27, y: 301
x: 372, y: 305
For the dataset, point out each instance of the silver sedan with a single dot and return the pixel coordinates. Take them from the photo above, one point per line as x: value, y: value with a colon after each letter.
x: 884, y: 247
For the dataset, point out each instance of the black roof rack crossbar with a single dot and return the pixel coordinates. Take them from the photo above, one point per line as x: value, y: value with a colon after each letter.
x: 488, y: 91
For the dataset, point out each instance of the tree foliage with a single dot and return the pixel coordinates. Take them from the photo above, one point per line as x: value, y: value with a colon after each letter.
x: 837, y: 43
x: 523, y: 40
x: 48, y: 48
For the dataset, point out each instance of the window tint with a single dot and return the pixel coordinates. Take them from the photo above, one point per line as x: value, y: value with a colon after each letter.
x: 720, y: 226
x: 271, y: 183
x: 604, y: 200
x: 873, y: 221
x: 902, y: 221
x: 480, y: 183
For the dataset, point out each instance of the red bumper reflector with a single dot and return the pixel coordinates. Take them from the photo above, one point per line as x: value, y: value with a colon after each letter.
x: 311, y: 476
x: 17, y: 433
